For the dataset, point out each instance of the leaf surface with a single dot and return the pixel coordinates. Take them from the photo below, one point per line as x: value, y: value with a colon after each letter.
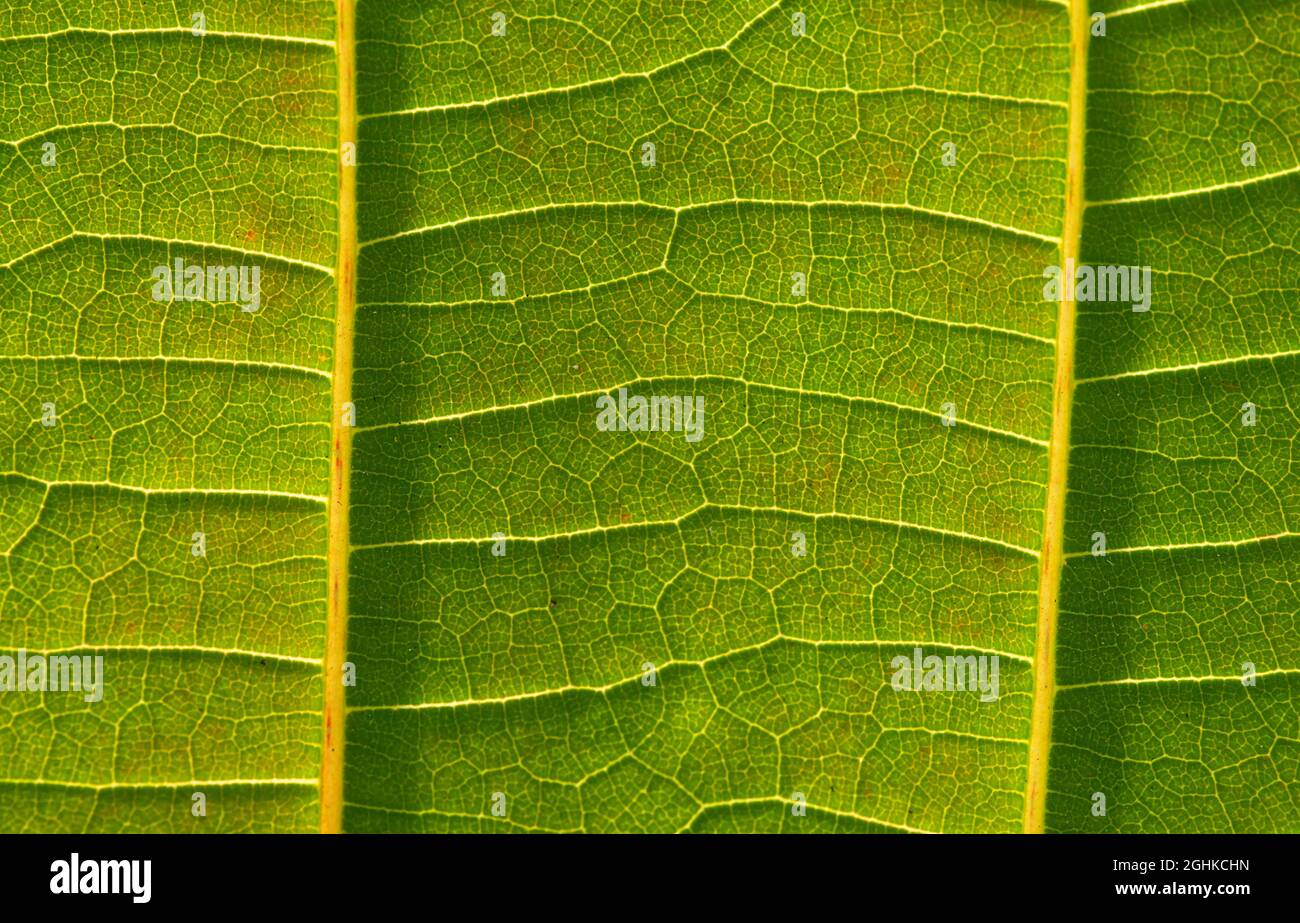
x: 509, y: 574
x: 172, y: 418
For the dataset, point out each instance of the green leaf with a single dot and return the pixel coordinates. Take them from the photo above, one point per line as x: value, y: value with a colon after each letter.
x: 558, y: 627
x: 170, y: 418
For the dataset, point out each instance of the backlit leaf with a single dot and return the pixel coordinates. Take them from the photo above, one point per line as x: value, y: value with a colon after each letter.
x: 834, y: 241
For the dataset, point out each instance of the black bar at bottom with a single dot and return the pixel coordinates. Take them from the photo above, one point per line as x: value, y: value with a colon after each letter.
x: 641, y: 875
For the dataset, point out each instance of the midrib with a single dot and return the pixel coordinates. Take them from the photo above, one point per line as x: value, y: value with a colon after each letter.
x: 331, y: 776
x: 1058, y: 452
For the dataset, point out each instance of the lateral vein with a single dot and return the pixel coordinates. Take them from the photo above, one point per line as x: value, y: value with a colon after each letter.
x: 175, y: 30
x: 776, y: 639
x: 761, y: 386
x: 1202, y: 190
x: 678, y: 209
x: 169, y: 491
x: 1190, y: 366
x: 175, y: 649
x: 1147, y: 680
x: 596, y: 530
x: 1187, y: 546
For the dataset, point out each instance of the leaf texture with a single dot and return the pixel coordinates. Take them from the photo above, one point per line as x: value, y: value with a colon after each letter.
x: 171, y: 418
x: 512, y: 572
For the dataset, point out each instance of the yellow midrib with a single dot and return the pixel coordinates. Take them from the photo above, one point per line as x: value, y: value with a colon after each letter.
x: 1058, y: 452
x: 331, y: 776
